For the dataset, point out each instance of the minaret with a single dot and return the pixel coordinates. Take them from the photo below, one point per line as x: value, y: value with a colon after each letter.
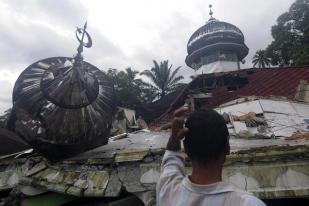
x: 217, y: 46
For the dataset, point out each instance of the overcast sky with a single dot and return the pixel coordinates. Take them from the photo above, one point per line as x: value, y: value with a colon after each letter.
x: 125, y: 33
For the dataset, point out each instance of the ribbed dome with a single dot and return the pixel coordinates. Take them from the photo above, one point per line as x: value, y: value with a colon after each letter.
x: 62, y: 105
x: 62, y: 109
x: 216, y: 35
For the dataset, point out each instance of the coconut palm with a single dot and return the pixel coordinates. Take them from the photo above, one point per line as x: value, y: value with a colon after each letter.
x: 163, y: 78
x: 260, y: 58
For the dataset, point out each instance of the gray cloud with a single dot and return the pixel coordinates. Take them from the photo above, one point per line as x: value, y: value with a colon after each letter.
x: 57, y: 12
x: 25, y: 40
x: 171, y: 45
x: 254, y: 18
x: 104, y: 53
x: 27, y: 43
x: 5, y: 95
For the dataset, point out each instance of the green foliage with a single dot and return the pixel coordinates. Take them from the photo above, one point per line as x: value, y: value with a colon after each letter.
x: 129, y: 90
x: 261, y: 59
x: 163, y: 78
x: 291, y: 36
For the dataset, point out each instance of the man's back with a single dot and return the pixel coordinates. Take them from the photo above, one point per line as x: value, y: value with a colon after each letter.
x: 206, y: 143
x: 174, y: 188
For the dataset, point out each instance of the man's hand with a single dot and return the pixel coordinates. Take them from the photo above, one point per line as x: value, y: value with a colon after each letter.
x: 178, y: 131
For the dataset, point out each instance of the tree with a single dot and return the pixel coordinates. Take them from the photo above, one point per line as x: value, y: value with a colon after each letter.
x: 291, y: 36
x: 163, y: 78
x: 126, y: 87
x: 261, y: 59
x: 148, y: 93
x: 130, y: 90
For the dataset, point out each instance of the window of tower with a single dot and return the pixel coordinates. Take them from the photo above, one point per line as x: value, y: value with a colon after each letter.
x: 228, y: 56
x: 207, y: 59
x: 218, y: 56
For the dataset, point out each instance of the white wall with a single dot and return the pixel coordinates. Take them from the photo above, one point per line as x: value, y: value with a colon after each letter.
x: 218, y: 66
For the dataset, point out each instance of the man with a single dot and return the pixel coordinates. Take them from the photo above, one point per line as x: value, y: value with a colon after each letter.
x: 206, y: 143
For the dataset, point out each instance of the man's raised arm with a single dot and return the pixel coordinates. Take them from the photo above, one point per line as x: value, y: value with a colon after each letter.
x: 173, y: 167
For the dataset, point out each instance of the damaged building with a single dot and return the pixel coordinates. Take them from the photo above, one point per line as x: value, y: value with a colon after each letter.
x: 266, y: 111
x: 269, y: 157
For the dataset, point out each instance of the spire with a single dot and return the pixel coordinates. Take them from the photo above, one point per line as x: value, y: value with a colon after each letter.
x: 80, y: 35
x: 210, y: 13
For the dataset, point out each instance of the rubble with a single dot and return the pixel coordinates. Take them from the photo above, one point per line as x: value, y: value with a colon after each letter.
x: 265, y: 117
x: 299, y: 135
x: 132, y: 165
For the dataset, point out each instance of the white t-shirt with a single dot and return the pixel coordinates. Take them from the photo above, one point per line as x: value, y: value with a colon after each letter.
x: 175, y: 188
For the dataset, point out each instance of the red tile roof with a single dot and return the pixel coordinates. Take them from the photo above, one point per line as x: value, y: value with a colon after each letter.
x: 264, y: 82
x: 261, y: 82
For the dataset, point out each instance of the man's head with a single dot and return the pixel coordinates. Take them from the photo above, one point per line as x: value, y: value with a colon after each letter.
x: 207, y: 140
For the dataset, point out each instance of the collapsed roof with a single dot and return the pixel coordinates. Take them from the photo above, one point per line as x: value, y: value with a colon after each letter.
x: 133, y: 163
x: 212, y: 90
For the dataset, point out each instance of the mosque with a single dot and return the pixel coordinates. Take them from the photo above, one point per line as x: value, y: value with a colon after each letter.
x: 269, y: 153
x: 217, y: 46
x: 215, y: 52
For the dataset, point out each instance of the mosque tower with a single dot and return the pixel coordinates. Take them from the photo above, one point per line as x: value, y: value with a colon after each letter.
x: 217, y: 46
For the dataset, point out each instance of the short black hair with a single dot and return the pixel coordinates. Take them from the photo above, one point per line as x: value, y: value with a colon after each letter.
x: 208, y: 137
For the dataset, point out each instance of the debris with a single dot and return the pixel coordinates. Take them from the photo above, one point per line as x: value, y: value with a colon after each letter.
x: 245, y: 134
x: 135, y: 167
x: 37, y: 168
x: 131, y: 155
x: 244, y: 117
x: 255, y: 121
x: 119, y: 126
x: 239, y: 126
x: 299, y: 135
x: 120, y: 136
x: 226, y: 117
x: 141, y: 123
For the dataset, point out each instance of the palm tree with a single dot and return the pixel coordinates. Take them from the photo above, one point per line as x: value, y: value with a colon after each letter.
x: 164, y: 79
x: 260, y: 58
x: 127, y: 77
x: 131, y: 74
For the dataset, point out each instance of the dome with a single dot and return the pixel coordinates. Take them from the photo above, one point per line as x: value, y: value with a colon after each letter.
x: 62, y: 109
x: 62, y: 105
x: 213, y: 36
